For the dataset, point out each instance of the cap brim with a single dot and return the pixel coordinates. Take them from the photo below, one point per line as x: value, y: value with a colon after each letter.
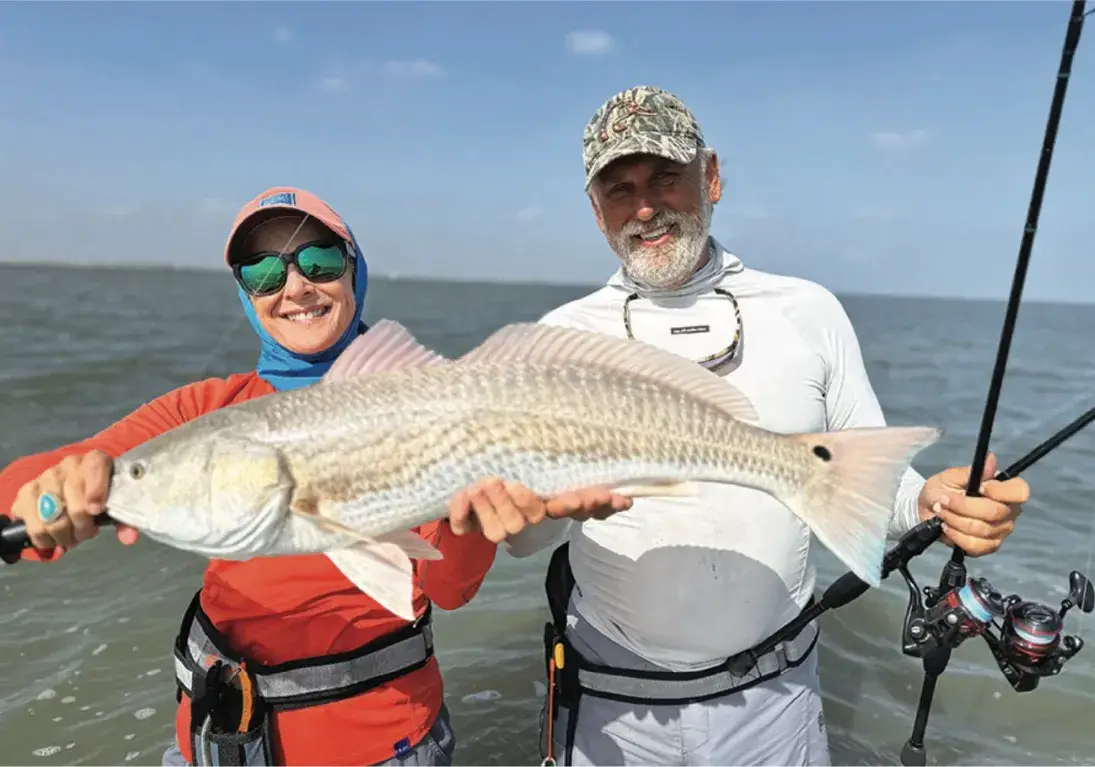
x: 682, y: 150
x: 244, y: 228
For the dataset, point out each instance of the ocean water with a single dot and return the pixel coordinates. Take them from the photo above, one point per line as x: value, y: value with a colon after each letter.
x: 85, y: 644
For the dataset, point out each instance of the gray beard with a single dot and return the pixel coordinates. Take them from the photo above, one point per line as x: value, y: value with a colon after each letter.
x: 669, y: 265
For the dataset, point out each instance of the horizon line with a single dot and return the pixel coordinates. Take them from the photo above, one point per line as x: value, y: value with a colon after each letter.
x: 400, y: 277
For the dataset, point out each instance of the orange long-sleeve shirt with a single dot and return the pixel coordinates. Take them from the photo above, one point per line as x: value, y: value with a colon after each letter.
x: 285, y: 608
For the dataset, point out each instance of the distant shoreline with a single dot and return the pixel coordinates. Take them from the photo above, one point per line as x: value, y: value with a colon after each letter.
x: 148, y: 266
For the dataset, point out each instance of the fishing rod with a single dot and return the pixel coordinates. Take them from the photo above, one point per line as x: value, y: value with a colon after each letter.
x: 914, y: 543
x: 14, y: 538
x: 954, y: 600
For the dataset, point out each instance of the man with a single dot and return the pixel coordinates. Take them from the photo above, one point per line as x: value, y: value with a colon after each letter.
x: 676, y: 586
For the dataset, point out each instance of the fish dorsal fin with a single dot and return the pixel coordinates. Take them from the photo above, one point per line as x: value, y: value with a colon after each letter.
x: 552, y: 345
x: 387, y: 346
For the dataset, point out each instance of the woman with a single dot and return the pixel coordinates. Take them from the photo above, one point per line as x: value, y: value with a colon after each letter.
x: 362, y: 685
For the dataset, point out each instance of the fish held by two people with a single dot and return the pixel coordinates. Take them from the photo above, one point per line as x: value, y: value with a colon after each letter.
x: 348, y: 466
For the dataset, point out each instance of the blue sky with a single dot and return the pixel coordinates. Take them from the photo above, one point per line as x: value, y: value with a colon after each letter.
x: 879, y: 147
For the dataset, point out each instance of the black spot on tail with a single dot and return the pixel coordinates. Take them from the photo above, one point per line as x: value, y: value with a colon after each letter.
x: 823, y: 453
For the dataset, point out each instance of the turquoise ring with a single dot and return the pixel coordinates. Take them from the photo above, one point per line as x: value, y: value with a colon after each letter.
x: 49, y: 508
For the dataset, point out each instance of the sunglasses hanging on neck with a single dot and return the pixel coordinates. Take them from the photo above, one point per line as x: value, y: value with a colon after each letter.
x: 710, y: 361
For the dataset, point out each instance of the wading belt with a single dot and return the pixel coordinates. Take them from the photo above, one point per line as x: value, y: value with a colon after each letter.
x: 232, y: 696
x: 571, y: 676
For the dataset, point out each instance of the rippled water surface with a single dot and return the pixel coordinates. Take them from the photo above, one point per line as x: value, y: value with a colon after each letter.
x: 85, y: 662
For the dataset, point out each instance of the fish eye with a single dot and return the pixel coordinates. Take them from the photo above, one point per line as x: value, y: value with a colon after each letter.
x: 136, y: 470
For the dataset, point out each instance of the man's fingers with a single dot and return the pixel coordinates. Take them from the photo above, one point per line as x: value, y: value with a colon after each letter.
x: 593, y: 502
x: 984, y: 509
x: 989, y: 470
x: 1013, y: 491
x: 959, y: 476
x: 621, y: 503
x: 971, y: 545
x: 563, y: 505
x: 596, y: 498
x: 975, y: 528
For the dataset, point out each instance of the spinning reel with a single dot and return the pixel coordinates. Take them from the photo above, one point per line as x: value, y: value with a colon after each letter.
x: 1028, y: 642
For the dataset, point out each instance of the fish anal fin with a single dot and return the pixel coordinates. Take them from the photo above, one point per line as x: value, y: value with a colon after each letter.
x: 550, y: 345
x: 415, y: 546
x: 381, y: 570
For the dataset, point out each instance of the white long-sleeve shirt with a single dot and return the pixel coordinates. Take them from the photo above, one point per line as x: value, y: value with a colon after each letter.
x: 686, y: 584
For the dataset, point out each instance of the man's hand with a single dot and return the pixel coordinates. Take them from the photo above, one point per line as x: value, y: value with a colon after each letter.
x: 976, y: 525
x: 501, y: 509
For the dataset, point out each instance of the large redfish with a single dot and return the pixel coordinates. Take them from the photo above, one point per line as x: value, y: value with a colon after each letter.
x: 348, y: 466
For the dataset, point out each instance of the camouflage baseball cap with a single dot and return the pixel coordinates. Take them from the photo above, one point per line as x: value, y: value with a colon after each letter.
x: 640, y: 120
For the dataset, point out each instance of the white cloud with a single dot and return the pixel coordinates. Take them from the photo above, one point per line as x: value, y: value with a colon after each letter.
x: 898, y: 141
x: 282, y: 34
x: 412, y: 68
x: 529, y: 214
x: 590, y: 42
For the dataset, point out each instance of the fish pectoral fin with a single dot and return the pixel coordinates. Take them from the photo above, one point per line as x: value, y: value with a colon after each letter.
x: 309, y: 510
x: 667, y: 489
x: 387, y: 346
x: 326, y: 514
x: 382, y: 570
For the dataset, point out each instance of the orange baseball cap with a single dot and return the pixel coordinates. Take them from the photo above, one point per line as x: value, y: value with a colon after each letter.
x: 276, y: 201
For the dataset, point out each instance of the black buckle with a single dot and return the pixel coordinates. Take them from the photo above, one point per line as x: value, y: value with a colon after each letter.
x: 206, y: 691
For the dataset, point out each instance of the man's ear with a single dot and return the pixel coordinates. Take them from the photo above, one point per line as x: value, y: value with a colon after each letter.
x: 713, y: 182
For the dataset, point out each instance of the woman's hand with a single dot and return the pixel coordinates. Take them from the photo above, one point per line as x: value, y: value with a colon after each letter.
x: 60, y: 506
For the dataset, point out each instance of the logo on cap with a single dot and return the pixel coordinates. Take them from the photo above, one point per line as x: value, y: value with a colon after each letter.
x: 281, y: 198
x: 631, y: 109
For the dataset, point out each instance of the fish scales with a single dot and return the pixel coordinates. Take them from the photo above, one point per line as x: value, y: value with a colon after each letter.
x: 347, y: 467
x: 592, y: 419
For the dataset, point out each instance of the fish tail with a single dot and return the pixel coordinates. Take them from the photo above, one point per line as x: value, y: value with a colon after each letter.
x: 849, y: 501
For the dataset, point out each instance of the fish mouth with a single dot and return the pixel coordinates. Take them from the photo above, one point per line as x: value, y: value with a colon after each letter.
x: 124, y: 516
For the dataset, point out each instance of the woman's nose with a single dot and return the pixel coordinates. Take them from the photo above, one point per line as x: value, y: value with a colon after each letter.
x: 295, y: 283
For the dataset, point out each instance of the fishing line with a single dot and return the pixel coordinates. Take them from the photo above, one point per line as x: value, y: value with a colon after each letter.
x: 224, y: 337
x: 13, y: 535
x: 1005, y: 445
x: 953, y: 575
